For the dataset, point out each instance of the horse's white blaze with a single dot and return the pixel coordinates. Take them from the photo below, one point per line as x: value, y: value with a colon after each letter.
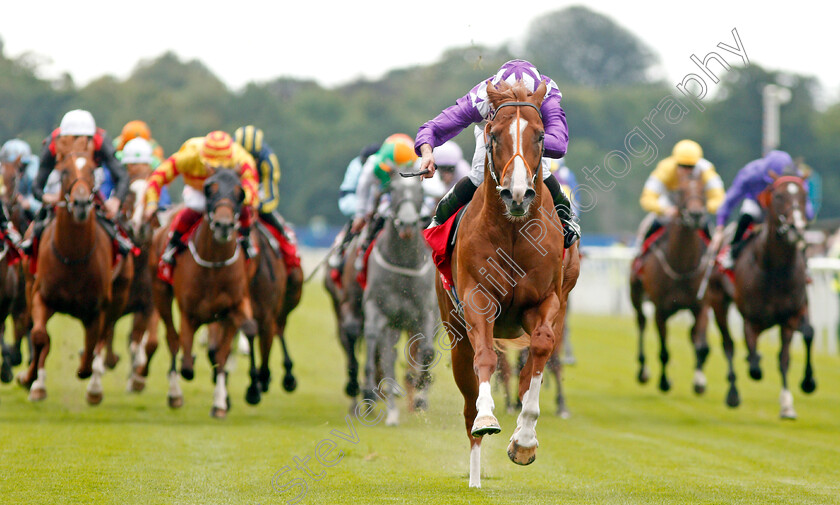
x: 519, y: 179
x: 138, y: 187
x: 40, y: 381
x: 484, y: 402
x: 475, y: 465
x: 793, y: 188
x: 526, y: 424
x: 81, y: 162
x: 220, y: 393
x: 798, y: 219
x: 174, y: 387
x: 95, y: 384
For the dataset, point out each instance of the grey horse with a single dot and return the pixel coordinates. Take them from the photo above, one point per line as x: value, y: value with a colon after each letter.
x: 400, y: 296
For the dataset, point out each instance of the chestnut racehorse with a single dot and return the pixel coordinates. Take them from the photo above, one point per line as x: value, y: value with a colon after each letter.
x: 670, y: 277
x: 12, y: 285
x: 210, y: 284
x: 74, y: 271
x: 510, y: 272
x: 769, y: 288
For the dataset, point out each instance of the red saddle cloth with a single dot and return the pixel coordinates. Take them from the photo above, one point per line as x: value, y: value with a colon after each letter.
x: 9, y: 251
x: 361, y: 277
x: 287, y: 245
x: 441, y: 241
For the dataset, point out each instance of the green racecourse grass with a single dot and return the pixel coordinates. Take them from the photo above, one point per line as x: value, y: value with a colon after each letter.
x: 625, y: 443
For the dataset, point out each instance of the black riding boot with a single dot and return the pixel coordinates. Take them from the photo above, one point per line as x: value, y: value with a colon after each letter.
x: 125, y: 246
x: 246, y: 243
x: 744, y: 222
x: 274, y: 220
x: 371, y: 232
x: 38, y: 225
x: 460, y: 195
x: 563, y: 206
x: 174, y: 246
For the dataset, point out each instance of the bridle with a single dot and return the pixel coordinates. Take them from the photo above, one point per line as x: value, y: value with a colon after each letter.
x: 784, y: 225
x: 489, y: 140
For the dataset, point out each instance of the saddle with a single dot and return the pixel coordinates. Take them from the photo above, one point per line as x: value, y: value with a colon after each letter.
x: 441, y: 240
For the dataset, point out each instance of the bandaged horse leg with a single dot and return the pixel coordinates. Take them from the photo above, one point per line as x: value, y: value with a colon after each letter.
x: 539, y: 323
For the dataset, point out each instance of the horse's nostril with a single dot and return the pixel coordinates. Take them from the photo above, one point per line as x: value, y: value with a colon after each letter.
x: 506, y: 195
x: 530, y: 194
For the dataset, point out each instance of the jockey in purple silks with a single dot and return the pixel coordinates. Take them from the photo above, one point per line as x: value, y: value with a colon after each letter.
x: 755, y: 177
x: 475, y: 108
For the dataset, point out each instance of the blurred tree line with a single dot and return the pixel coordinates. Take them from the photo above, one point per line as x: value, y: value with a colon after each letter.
x: 606, y: 74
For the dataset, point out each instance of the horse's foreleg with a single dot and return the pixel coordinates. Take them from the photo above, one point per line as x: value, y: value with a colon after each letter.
x: 809, y: 385
x: 375, y: 323
x: 467, y: 382
x: 539, y: 322
x: 503, y: 377
x: 388, y: 357
x: 751, y: 338
x: 423, y: 359
x: 721, y: 310
x: 187, y: 332
x: 289, y: 381
x: 94, y: 363
x: 701, y: 348
x: 785, y: 397
x: 664, y: 356
x: 265, y: 331
x: 484, y: 364
x: 636, y: 297
x: 40, y: 348
x: 221, y: 398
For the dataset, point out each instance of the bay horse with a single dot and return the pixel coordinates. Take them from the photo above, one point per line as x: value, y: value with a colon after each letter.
x: 210, y: 284
x: 769, y: 288
x: 75, y: 275
x: 670, y: 276
x: 12, y: 279
x: 511, y: 272
x: 399, y: 297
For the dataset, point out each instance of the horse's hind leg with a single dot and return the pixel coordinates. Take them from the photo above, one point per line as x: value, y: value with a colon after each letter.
x: 751, y: 338
x: 809, y: 385
x: 6, y: 374
x: 94, y: 363
x: 265, y: 335
x: 785, y: 397
x: 636, y: 296
x: 174, y: 396
x: 253, y: 395
x: 701, y: 348
x: 555, y: 366
x: 23, y: 324
x: 503, y: 373
x: 187, y: 332
x: 422, y: 360
x: 221, y: 398
x: 721, y: 309
x: 388, y: 356
x: 289, y: 380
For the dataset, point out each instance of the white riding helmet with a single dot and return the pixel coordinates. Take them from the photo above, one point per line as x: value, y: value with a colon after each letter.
x: 448, y: 154
x: 137, y: 150
x: 78, y: 122
x: 13, y: 149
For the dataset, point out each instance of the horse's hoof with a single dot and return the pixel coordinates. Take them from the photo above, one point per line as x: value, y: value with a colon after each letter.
x: 487, y: 425
x: 136, y: 384
x: 218, y: 413
x: 809, y: 385
x: 733, y: 399
x: 252, y: 395
x: 521, y: 455
x: 93, y: 399
x: 189, y: 374
x: 699, y: 389
x: 84, y: 373
x: 755, y: 373
x: 289, y: 383
x: 643, y: 376
x: 788, y: 414
x: 664, y: 384
x: 562, y: 412
x: 111, y: 361
x: 264, y: 376
x: 175, y: 402
x: 368, y: 395
x: 420, y: 404
x: 352, y: 389
x: 24, y: 380
x: 37, y: 395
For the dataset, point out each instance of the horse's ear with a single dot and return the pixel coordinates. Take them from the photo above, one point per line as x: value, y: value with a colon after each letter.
x: 495, y: 92
x: 240, y: 195
x: 17, y: 160
x: 539, y: 93
x: 210, y: 189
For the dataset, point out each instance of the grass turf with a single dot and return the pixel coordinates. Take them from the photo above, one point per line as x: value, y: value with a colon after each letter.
x: 625, y: 443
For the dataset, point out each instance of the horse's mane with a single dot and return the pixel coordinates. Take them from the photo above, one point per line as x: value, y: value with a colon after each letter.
x: 506, y: 92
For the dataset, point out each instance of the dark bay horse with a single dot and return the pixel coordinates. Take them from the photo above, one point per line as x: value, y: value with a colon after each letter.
x: 74, y: 271
x: 12, y: 278
x: 769, y: 288
x: 210, y: 284
x: 511, y: 273
x: 670, y: 276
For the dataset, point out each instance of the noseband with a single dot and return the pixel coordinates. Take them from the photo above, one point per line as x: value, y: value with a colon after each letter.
x: 488, y: 140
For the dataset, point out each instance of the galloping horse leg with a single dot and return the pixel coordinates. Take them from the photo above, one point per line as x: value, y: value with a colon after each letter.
x: 701, y: 348
x: 174, y: 396
x: 423, y: 357
x: 467, y: 382
x: 539, y: 322
x: 253, y: 395
x: 214, y: 336
x: 144, y: 343
x: 111, y: 358
x: 187, y: 333
x: 636, y: 296
x: 22, y: 321
x: 265, y: 332
x: 785, y: 397
x: 93, y: 361
x: 40, y: 348
x: 809, y: 385
x: 374, y: 328
x: 555, y: 366
x: 721, y: 309
x: 503, y: 378
x: 289, y: 381
x: 484, y: 364
x: 664, y: 356
x: 221, y: 398
x: 350, y: 333
x: 388, y: 360
x: 6, y: 375
x: 751, y: 338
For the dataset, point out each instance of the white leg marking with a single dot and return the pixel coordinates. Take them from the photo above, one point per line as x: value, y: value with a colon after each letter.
x: 475, y: 465
x: 484, y: 402
x: 526, y: 424
x: 41, y: 381
x: 174, y: 387
x: 699, y: 378
x: 95, y: 384
x: 786, y: 403
x: 220, y: 393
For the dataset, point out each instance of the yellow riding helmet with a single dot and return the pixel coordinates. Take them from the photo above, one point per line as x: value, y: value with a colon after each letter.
x: 217, y: 149
x: 687, y: 152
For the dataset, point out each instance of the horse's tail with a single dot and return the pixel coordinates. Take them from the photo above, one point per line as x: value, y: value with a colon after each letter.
x: 517, y: 343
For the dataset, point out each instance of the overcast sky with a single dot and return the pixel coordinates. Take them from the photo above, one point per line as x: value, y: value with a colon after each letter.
x: 337, y: 42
